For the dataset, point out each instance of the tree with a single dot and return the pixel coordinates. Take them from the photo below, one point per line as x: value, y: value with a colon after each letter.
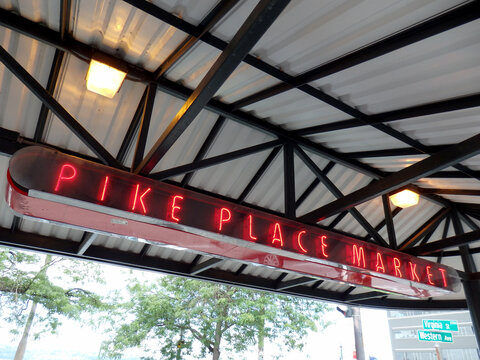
x: 175, y: 316
x: 32, y: 294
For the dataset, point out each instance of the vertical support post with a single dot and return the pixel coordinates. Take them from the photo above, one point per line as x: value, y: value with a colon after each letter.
x: 472, y: 294
x: 471, y: 287
x: 357, y: 330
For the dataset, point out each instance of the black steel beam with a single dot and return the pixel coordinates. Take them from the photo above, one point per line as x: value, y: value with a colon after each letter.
x: 208, y: 264
x: 364, y: 296
x: 430, y: 165
x: 466, y: 219
x: 461, y: 103
x: 51, y: 84
x: 447, y: 243
x: 382, y: 223
x: 289, y: 180
x: 295, y: 282
x: 464, y: 249
x: 452, y: 175
x: 87, y: 240
x: 54, y: 106
x: 132, y: 129
x: 144, y: 125
x: 257, y: 23
x: 207, y: 144
x: 337, y: 220
x: 424, y: 229
x: 347, y: 292
x: 313, y: 185
x: 215, y: 160
x: 338, y: 194
x: 393, y: 152
x: 433, y: 26
x: 392, y: 239
x: 268, y: 161
x: 65, y: 10
x: 52, y: 38
x: 212, y: 18
x: 16, y: 223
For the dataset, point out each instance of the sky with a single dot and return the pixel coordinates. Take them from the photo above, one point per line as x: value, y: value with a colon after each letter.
x: 325, y: 345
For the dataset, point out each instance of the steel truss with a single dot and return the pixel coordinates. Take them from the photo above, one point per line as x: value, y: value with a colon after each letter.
x: 289, y: 142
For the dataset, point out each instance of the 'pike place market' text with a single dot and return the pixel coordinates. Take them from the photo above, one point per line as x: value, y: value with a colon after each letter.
x: 241, y: 223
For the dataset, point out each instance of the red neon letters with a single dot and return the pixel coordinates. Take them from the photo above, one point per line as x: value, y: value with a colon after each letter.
x: 299, y: 240
x: 250, y: 226
x: 255, y: 226
x: 105, y: 183
x: 396, y: 265
x: 380, y: 266
x: 277, y: 234
x: 324, y: 246
x: 358, y: 256
x: 67, y: 172
x: 140, y: 198
x: 443, y: 271
x: 225, y: 216
x: 175, y: 207
x: 429, y: 275
x: 413, y: 271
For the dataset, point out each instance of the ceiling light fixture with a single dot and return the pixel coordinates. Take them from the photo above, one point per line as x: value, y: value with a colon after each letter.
x: 405, y: 198
x: 104, y: 79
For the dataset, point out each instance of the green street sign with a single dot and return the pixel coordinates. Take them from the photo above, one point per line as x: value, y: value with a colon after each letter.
x: 435, y: 336
x: 441, y: 325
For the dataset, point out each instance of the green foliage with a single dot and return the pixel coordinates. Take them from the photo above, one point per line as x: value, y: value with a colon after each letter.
x: 55, y: 284
x: 174, y: 316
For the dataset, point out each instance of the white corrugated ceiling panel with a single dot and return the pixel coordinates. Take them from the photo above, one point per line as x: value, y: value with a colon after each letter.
x: 447, y: 128
x: 244, y: 81
x: 40, y: 11
x: 311, y: 32
x: 410, y: 219
x: 371, y: 210
x: 392, y: 163
x: 449, y: 183
x: 106, y: 119
x: 268, y: 192
x: 119, y: 28
x: 364, y: 138
x: 191, y: 11
x: 345, y: 179
x: 46, y: 228
x: 230, y: 178
x: 448, y: 62
x: 19, y: 108
x: 184, y: 150
x: 294, y: 110
x: 193, y: 67
x: 473, y: 162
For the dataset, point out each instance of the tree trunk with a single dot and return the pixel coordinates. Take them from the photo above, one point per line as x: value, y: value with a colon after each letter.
x: 22, y: 345
x: 261, y: 336
x: 218, y: 338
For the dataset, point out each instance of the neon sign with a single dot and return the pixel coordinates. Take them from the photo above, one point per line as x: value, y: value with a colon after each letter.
x: 49, y: 185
